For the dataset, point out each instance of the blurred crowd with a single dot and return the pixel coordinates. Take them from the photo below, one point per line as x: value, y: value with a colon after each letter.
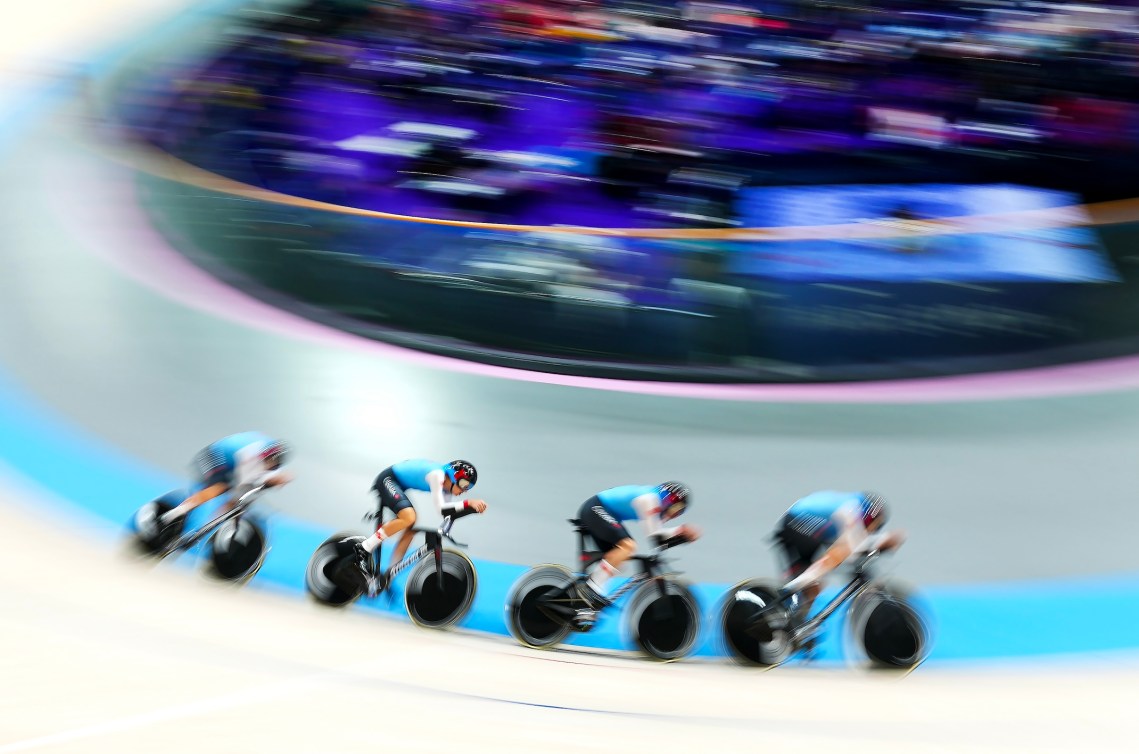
x: 633, y: 114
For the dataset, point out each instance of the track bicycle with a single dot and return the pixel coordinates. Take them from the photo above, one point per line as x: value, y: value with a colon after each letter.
x: 238, y: 544
x: 758, y: 627
x: 440, y: 588
x: 547, y: 603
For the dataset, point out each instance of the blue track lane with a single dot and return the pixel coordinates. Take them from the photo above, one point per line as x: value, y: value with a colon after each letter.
x: 971, y: 622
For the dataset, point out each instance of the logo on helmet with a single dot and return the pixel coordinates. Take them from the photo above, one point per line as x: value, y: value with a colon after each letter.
x: 673, y: 499
x: 461, y: 474
x: 275, y: 454
x: 873, y: 508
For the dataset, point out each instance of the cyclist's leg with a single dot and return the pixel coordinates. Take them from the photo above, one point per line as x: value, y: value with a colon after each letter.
x: 235, y: 494
x: 798, y: 552
x: 403, y: 521
x: 200, y: 497
x: 214, y: 477
x: 394, y: 498
x: 612, y: 539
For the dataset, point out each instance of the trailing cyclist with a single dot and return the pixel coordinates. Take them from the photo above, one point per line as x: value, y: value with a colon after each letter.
x: 237, y: 463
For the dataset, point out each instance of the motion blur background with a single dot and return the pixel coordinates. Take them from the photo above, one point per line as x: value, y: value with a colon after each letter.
x: 751, y: 191
x: 765, y: 248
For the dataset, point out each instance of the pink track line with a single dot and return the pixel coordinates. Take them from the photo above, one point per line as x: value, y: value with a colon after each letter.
x: 123, y: 236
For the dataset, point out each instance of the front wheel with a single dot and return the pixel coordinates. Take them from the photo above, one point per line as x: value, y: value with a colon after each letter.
x: 890, y: 632
x: 664, y: 618
x: 238, y: 550
x: 434, y: 605
x: 531, y: 606
x: 327, y: 575
x: 754, y: 624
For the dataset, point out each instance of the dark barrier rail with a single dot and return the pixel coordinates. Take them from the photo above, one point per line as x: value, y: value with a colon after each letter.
x: 669, y: 309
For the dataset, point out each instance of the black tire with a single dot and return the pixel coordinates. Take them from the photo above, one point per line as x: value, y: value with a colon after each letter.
x: 665, y: 625
x: 888, y: 630
x: 754, y: 625
x: 529, y: 624
x: 150, y: 538
x: 237, y: 550
x: 329, y: 577
x: 433, y: 607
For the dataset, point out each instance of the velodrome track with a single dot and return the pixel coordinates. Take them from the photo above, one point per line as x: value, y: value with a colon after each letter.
x: 102, y: 655
x: 103, y: 344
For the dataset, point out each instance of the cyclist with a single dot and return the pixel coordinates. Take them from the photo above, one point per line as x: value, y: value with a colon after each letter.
x: 236, y: 464
x: 819, y: 532
x: 443, y: 481
x: 603, y: 516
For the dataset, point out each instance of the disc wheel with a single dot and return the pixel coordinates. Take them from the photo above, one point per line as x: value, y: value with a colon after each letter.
x: 326, y: 575
x: 237, y: 550
x: 149, y: 537
x: 530, y: 623
x: 754, y: 625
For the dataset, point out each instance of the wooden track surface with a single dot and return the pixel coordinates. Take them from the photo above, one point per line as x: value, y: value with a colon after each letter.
x: 104, y: 653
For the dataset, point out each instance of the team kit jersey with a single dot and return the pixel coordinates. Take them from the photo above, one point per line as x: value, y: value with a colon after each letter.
x: 235, y: 461
x: 604, y: 514
x: 418, y: 474
x: 824, y: 515
x: 814, y: 523
x: 618, y: 501
x: 412, y: 474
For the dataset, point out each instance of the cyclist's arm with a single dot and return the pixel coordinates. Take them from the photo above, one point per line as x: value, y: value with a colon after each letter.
x: 444, y: 503
x: 251, y: 471
x: 267, y: 478
x: 276, y: 478
x: 648, y: 511
x: 871, y: 542
x: 882, y: 540
x: 203, y: 495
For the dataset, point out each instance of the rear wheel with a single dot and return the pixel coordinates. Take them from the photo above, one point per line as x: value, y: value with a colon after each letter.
x: 329, y: 577
x: 237, y: 550
x: 533, y: 604
x: 754, y: 624
x: 664, y: 624
x: 151, y: 538
x: 434, y: 605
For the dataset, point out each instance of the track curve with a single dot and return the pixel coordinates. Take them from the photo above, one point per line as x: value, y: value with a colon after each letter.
x: 103, y: 364
x: 128, y: 659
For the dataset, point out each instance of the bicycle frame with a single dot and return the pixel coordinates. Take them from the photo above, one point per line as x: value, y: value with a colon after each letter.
x: 434, y: 544
x: 647, y: 573
x: 852, y: 589
x: 858, y: 582
x: 649, y: 564
x: 186, y: 541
